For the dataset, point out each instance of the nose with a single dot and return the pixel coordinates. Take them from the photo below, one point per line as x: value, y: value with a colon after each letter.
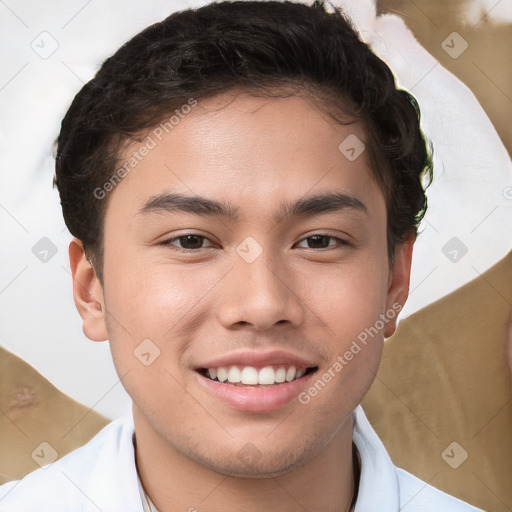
x: 260, y: 295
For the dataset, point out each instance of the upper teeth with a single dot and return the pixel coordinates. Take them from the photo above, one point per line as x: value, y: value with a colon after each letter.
x: 250, y: 375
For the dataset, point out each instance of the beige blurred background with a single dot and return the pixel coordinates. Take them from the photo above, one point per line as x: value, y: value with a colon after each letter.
x: 485, y: 66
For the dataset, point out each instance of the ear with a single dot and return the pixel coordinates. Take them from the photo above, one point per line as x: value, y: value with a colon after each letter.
x: 87, y: 293
x: 399, y: 278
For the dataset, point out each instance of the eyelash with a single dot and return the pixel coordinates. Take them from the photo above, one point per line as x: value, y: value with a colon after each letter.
x: 170, y: 241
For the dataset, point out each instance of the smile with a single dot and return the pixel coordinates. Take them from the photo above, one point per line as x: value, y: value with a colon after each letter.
x: 240, y: 375
x: 255, y: 390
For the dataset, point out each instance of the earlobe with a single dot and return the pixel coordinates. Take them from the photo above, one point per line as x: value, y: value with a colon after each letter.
x: 87, y: 293
x: 399, y: 280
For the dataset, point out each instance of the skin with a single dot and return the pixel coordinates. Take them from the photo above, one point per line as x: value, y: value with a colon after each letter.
x: 255, y: 153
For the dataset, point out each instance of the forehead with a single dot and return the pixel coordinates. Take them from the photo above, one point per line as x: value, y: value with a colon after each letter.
x: 251, y: 151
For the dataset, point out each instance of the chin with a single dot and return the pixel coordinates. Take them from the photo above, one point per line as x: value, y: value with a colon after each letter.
x: 249, y: 462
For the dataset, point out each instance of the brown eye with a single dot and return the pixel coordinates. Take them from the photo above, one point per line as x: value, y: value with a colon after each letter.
x: 321, y: 241
x: 186, y: 242
x: 191, y: 241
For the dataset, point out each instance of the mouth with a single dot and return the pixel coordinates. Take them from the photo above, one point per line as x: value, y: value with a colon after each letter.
x: 256, y: 381
x: 253, y: 389
x: 251, y: 376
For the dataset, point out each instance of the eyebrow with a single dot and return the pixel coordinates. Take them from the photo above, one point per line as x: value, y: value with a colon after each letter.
x: 197, y: 205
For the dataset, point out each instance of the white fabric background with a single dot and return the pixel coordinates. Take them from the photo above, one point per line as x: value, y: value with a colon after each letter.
x: 470, y: 199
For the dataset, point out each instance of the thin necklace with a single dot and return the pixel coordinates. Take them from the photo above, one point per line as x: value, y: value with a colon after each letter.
x: 147, y: 504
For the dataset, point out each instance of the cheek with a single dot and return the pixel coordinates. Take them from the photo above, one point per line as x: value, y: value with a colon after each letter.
x: 151, y: 311
x: 156, y: 299
x: 347, y: 298
x: 349, y: 320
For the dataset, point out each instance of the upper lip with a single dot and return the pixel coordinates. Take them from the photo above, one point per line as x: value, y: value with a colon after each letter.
x: 258, y: 359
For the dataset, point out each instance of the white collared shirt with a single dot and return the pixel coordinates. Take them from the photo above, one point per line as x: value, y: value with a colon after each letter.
x: 102, y: 476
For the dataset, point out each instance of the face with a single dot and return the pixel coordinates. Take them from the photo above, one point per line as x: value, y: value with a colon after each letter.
x: 274, y: 270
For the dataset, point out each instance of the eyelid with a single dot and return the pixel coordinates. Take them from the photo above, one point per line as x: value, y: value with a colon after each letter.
x: 341, y: 241
x: 169, y: 241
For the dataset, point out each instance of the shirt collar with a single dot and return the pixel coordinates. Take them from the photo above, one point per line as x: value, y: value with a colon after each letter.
x: 379, y: 488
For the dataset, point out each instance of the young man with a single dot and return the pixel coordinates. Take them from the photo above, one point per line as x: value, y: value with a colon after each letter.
x: 244, y: 184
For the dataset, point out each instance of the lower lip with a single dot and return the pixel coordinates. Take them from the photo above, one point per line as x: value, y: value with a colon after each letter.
x: 255, y: 398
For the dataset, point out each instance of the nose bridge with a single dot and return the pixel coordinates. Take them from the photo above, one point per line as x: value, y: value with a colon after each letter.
x: 262, y: 274
x: 259, y: 292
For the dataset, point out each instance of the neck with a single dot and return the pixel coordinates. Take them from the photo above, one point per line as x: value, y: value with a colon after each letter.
x: 174, y: 481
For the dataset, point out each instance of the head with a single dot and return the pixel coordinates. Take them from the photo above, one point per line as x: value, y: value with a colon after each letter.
x: 309, y: 163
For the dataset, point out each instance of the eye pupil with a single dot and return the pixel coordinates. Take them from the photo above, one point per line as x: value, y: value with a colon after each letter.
x: 324, y: 241
x: 184, y: 241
